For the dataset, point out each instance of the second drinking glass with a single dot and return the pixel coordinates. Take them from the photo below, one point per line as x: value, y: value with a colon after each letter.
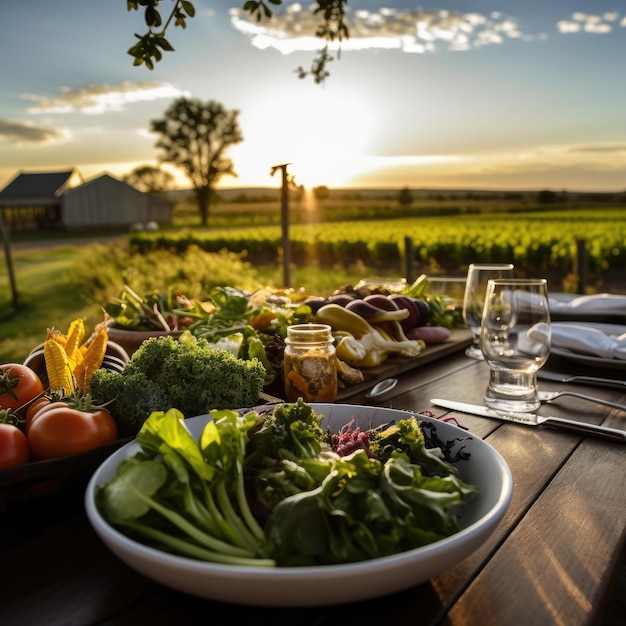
x: 478, y: 274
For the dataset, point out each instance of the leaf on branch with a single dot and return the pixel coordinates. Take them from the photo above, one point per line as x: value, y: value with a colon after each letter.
x: 164, y: 44
x: 188, y: 8
x: 147, y: 50
x: 153, y: 17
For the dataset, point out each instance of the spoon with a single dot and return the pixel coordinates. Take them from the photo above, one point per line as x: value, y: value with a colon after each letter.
x: 381, y: 388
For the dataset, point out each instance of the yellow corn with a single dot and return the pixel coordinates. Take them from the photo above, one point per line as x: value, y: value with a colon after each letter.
x: 58, y: 369
x: 56, y: 335
x: 75, y: 336
x: 79, y: 355
x: 92, y: 360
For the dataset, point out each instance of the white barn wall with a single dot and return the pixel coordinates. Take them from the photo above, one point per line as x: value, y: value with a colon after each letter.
x: 106, y: 201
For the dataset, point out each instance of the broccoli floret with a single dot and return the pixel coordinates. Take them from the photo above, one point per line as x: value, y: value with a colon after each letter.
x: 148, y: 358
x: 193, y: 377
x: 130, y: 397
x: 212, y: 378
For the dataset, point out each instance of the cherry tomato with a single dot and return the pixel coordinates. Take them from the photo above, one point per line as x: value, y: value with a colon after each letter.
x: 58, y: 431
x: 18, y: 385
x: 14, y: 448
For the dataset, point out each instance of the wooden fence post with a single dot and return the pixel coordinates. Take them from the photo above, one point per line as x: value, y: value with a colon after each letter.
x: 581, y: 265
x: 284, y: 220
x: 9, y: 262
x: 408, y: 259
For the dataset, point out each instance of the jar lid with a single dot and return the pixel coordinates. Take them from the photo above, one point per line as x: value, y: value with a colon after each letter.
x: 309, y: 333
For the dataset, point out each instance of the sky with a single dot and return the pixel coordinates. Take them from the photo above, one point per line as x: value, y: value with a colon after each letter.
x: 482, y: 94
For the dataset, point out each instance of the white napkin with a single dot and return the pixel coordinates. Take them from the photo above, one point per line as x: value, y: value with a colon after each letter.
x: 582, y: 340
x: 596, y: 303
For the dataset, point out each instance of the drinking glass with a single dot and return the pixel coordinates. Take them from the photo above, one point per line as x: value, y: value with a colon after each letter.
x: 478, y: 274
x: 515, y: 341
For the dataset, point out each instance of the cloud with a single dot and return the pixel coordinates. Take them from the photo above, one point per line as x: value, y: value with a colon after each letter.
x: 25, y: 132
x: 416, y: 31
x: 99, y: 99
x: 596, y: 24
x: 595, y: 156
x: 613, y: 147
x: 568, y: 26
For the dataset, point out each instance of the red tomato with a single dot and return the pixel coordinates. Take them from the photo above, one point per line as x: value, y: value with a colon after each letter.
x: 58, y: 431
x: 35, y: 407
x: 14, y: 449
x: 18, y: 385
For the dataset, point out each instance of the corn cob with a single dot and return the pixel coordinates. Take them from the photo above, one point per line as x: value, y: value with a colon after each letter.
x: 92, y: 360
x: 56, y: 335
x: 58, y: 369
x: 75, y: 336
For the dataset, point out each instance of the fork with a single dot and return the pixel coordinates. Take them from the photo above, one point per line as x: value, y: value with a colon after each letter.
x: 549, y: 396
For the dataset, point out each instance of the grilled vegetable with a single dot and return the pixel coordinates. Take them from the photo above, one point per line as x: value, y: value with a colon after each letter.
x: 348, y: 375
x: 373, y: 313
x: 342, y: 319
x: 381, y: 301
x: 350, y: 350
x: 429, y: 334
x: 404, y: 302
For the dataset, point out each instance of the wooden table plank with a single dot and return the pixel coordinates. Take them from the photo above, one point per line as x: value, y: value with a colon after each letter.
x: 572, y: 534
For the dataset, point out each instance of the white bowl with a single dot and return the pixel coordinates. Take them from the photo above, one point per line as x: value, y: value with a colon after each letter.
x: 324, y: 585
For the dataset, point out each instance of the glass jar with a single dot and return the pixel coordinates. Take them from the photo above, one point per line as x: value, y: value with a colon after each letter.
x: 310, y: 368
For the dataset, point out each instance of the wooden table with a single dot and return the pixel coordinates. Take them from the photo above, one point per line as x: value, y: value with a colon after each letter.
x: 554, y: 559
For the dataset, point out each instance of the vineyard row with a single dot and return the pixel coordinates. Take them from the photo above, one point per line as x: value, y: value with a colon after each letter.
x: 534, y: 243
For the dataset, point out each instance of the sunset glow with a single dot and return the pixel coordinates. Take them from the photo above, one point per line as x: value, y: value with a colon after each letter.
x: 500, y: 94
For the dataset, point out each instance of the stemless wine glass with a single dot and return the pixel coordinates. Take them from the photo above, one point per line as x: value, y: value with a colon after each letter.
x: 515, y: 341
x: 478, y: 274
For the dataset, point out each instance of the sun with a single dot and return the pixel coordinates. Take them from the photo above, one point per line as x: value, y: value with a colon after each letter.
x: 323, y: 136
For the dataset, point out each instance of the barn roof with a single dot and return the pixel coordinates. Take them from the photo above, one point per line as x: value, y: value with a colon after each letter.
x: 38, y: 188
x: 36, y: 184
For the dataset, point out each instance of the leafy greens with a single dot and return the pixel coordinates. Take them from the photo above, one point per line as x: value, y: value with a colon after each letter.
x: 273, y: 488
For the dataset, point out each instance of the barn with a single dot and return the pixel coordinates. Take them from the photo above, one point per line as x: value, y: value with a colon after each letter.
x: 65, y: 201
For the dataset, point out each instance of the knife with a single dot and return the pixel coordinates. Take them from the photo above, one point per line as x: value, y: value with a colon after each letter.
x: 610, y: 383
x: 532, y: 419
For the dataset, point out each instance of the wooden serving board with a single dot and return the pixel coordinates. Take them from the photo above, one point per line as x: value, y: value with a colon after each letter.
x: 394, y: 365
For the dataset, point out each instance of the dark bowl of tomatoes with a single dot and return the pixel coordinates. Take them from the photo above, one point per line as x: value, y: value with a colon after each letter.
x: 41, y: 478
x: 31, y: 462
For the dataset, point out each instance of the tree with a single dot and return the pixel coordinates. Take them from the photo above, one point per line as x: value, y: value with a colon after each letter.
x: 148, y: 49
x: 321, y: 192
x: 149, y: 178
x: 195, y: 137
x: 545, y: 196
x: 405, y: 197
